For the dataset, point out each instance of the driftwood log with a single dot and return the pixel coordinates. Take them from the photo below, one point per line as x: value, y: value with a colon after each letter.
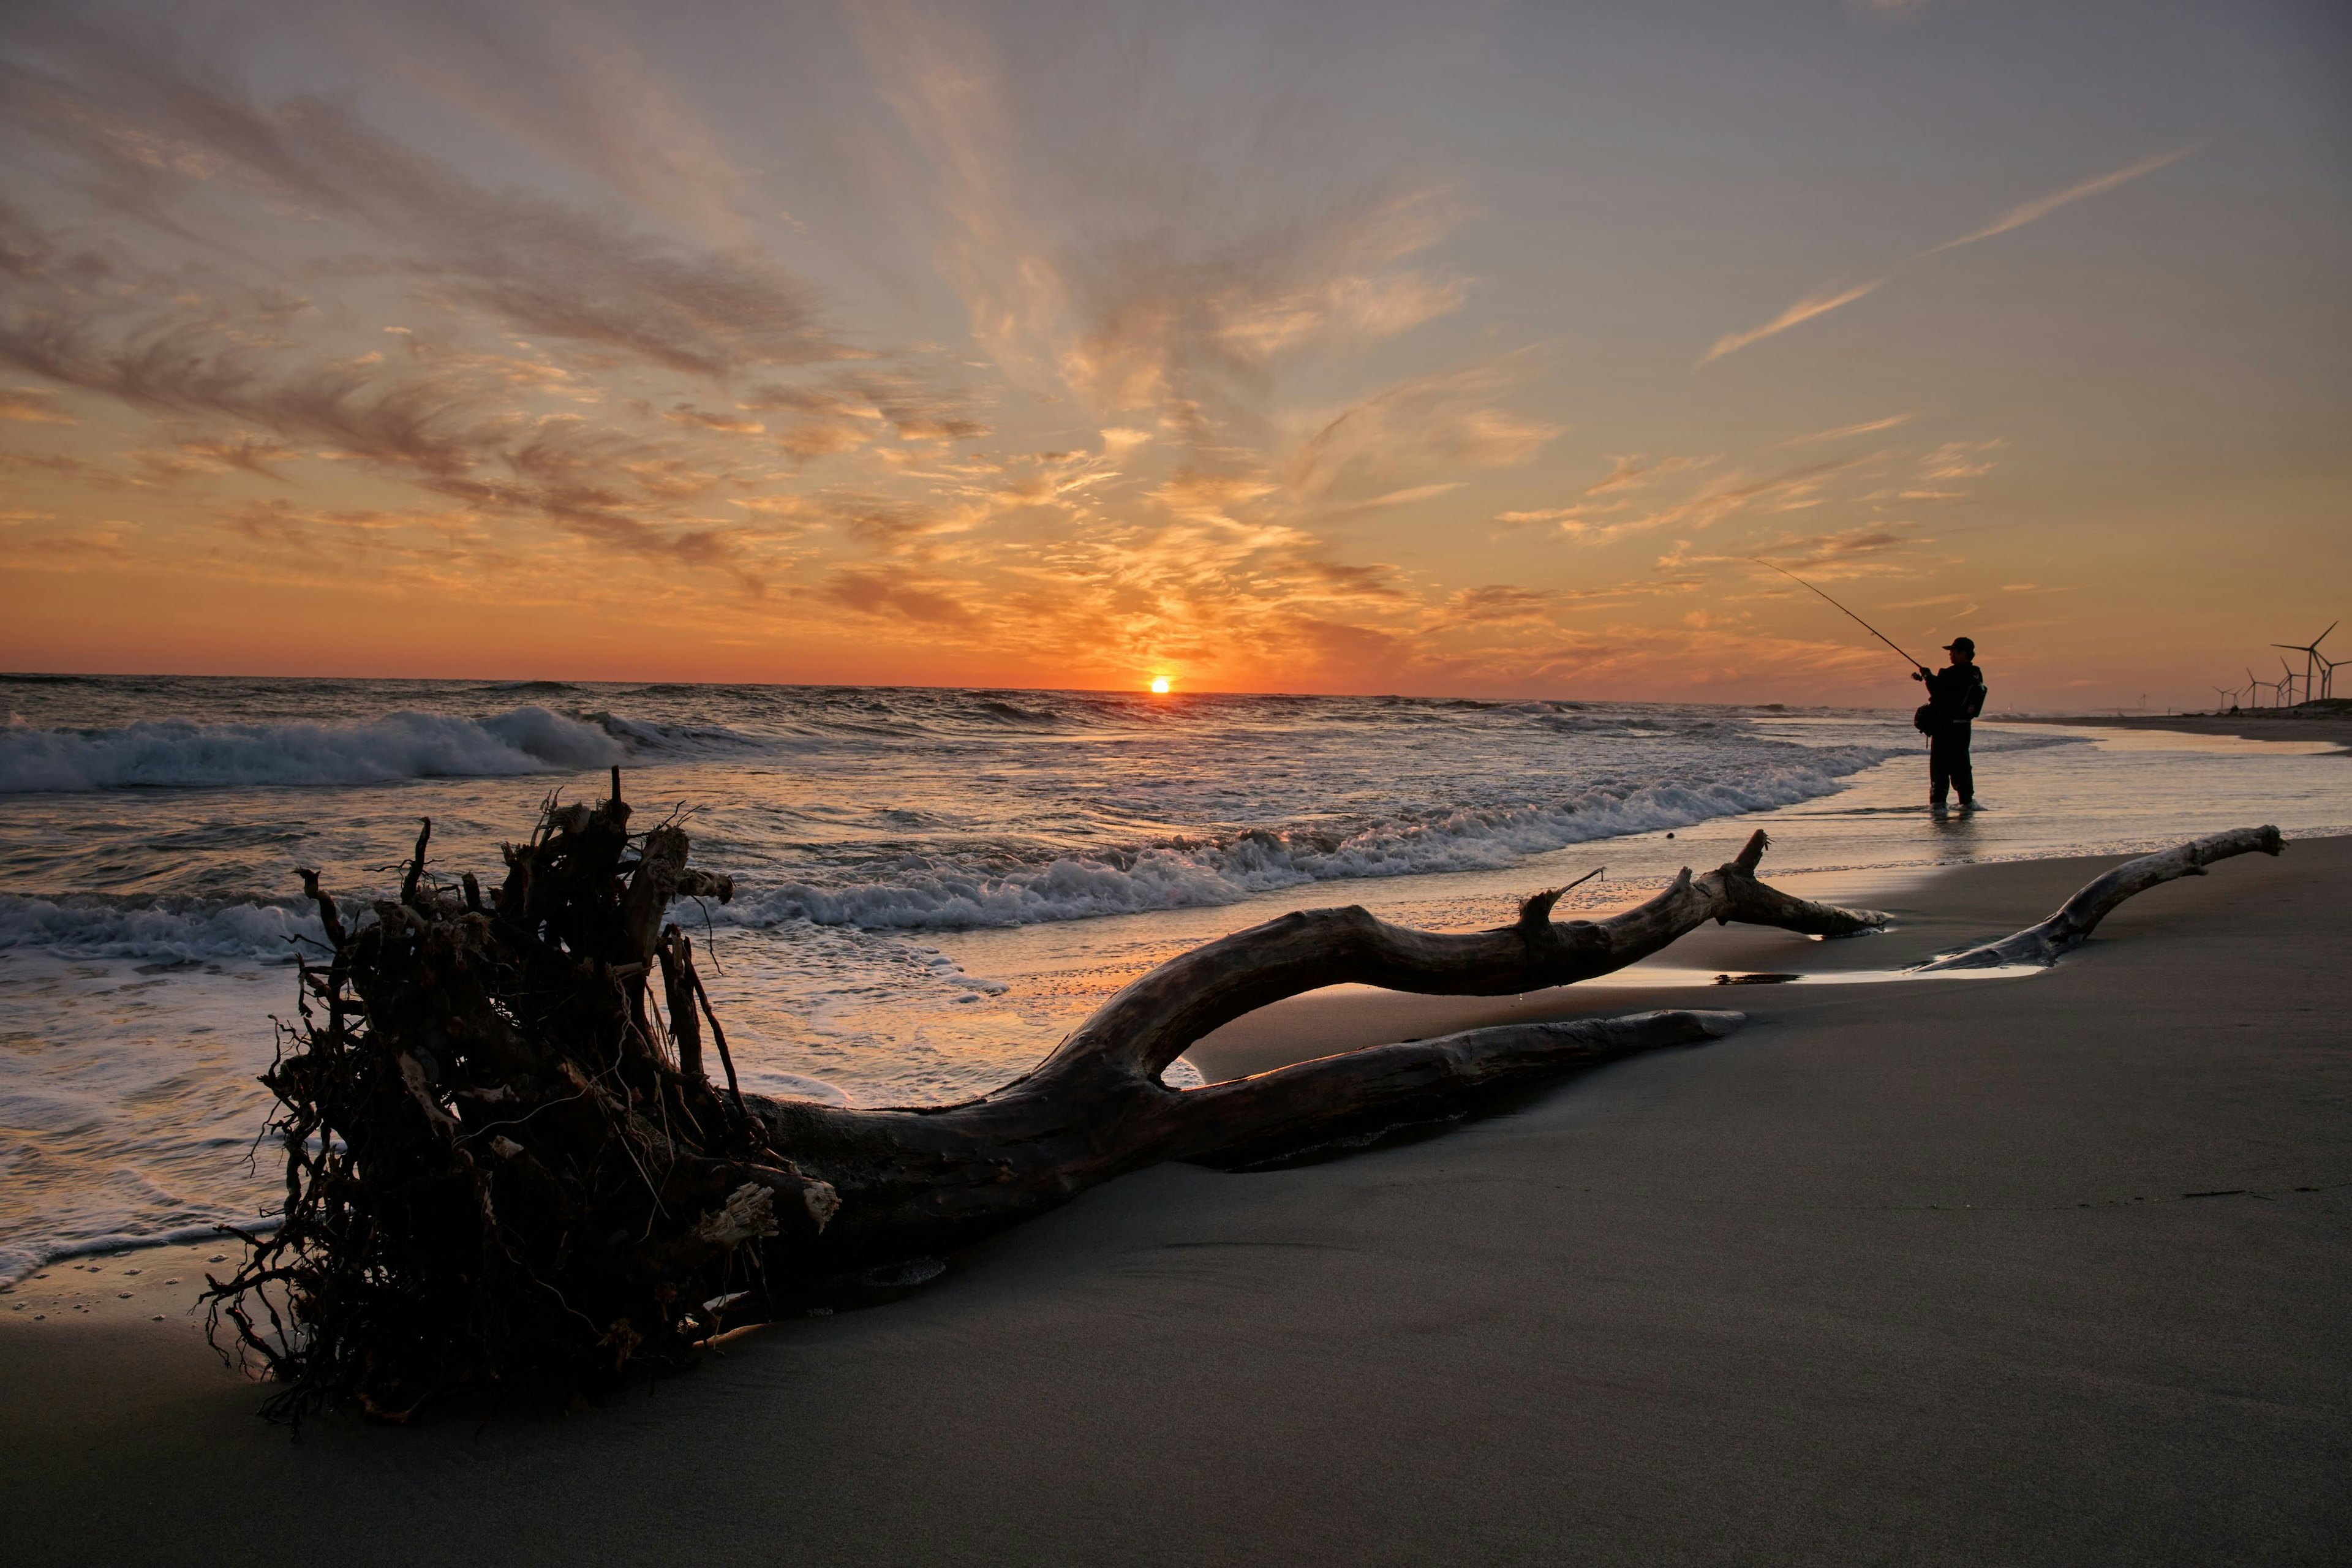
x: 2042, y: 945
x: 507, y: 1167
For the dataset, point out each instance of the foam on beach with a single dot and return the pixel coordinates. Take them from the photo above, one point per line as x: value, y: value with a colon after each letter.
x: 18, y: 1261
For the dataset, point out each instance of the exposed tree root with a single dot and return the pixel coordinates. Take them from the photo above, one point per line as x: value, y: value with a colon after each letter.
x: 507, y: 1168
x: 499, y: 1170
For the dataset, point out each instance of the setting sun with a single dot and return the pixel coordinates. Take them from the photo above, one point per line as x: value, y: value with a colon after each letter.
x: 1160, y: 684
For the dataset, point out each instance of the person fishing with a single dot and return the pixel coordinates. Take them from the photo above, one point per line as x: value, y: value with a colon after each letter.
x: 1955, y: 695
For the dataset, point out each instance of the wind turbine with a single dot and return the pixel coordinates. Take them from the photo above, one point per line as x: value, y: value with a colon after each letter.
x: 2255, y: 688
x: 2327, y: 668
x: 2286, y: 684
x: 2310, y: 651
x: 2226, y: 695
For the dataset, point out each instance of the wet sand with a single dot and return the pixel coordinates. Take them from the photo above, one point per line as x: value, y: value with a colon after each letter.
x: 2335, y: 729
x: 2051, y: 1270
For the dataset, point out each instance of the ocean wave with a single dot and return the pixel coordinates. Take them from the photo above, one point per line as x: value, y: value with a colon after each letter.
x: 995, y: 709
x: 1186, y: 874
x: 161, y: 930
x: 644, y: 737
x: 535, y: 688
x: 153, y: 753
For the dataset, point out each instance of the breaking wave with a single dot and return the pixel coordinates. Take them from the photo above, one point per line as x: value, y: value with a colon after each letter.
x: 160, y: 929
x: 1194, y: 873
x: 999, y: 888
x: 172, y: 752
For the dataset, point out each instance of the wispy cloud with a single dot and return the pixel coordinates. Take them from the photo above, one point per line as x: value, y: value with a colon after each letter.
x: 1628, y: 473
x: 1124, y: 307
x: 1450, y: 420
x: 1884, y: 549
x: 1417, y: 492
x: 1842, y: 553
x: 570, y: 84
x: 896, y: 591
x: 1842, y: 432
x: 2027, y: 212
x: 1803, y: 311
x: 1606, y: 521
x: 1499, y: 603
x: 1959, y: 461
x: 2016, y: 217
x: 157, y: 136
x: 30, y: 406
x: 556, y: 364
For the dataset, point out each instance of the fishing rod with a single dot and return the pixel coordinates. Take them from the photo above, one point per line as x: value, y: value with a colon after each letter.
x: 1857, y: 620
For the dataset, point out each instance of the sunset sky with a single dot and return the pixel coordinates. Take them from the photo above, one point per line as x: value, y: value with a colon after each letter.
x: 1439, y: 348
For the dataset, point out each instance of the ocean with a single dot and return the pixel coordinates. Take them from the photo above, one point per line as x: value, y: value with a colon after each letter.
x: 934, y: 885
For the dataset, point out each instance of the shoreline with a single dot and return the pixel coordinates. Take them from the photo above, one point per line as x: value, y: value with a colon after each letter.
x: 2334, y: 729
x: 1951, y: 1270
x: 87, y: 1281
x: 1334, y: 1019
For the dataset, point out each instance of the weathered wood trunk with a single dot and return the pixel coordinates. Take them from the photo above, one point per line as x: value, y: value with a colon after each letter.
x: 1097, y: 1107
x: 506, y: 1165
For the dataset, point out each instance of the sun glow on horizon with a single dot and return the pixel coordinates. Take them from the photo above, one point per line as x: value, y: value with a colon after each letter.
x: 1001, y: 383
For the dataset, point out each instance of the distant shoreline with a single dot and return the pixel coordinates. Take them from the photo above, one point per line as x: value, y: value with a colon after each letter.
x: 2334, y: 728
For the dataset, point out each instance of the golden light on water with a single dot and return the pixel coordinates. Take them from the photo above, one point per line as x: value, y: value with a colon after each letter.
x: 1160, y: 684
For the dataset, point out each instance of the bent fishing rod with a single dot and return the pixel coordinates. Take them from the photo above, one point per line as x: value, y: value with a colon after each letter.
x: 1857, y: 620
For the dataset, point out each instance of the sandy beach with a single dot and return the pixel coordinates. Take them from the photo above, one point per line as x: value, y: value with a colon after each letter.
x: 2029, y: 1270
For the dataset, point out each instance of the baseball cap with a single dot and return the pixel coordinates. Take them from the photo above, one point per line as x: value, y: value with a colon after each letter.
x: 1957, y: 643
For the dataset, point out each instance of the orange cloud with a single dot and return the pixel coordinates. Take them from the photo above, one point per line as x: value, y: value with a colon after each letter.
x: 1805, y: 310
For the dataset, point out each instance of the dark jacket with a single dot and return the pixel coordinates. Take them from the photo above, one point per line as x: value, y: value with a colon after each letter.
x: 1956, y: 692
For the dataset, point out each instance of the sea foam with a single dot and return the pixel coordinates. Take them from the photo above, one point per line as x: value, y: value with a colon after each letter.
x: 161, y: 930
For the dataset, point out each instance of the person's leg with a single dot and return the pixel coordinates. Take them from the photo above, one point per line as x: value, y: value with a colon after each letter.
x: 1939, y: 767
x: 1964, y: 773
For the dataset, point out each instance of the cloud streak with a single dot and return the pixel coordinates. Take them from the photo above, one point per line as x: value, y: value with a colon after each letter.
x: 2016, y: 217
x: 571, y: 85
x: 1446, y: 421
x: 2025, y: 213
x: 1185, y: 302
x: 1844, y: 432
x: 31, y: 406
x: 1803, y: 311
x: 1606, y: 521
x: 157, y: 137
